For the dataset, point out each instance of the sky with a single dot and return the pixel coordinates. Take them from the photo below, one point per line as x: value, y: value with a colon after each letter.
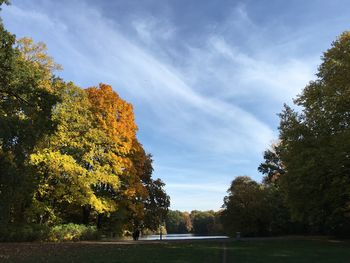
x: 206, y: 78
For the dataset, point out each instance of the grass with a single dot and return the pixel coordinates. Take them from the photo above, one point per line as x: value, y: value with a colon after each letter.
x: 289, y: 251
x: 176, y: 252
x: 77, y: 252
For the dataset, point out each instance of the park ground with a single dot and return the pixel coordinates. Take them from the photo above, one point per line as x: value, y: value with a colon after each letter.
x: 223, y: 251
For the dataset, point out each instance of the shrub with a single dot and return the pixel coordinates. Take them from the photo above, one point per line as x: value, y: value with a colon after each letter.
x: 72, y: 232
x: 15, y: 233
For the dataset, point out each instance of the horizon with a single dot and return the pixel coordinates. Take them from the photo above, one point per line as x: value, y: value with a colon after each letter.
x: 205, y: 88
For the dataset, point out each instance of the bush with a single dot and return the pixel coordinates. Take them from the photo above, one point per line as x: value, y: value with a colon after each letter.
x: 15, y: 233
x: 72, y: 232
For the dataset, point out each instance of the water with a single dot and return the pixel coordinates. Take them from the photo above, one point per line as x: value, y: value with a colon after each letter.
x: 179, y: 237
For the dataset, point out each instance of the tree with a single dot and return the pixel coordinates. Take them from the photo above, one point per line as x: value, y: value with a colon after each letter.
x: 115, y: 116
x: 25, y: 118
x: 316, y: 145
x: 156, y: 205
x: 272, y: 167
x: 246, y: 208
x: 178, y: 222
x: 75, y: 166
x: 140, y: 176
x: 137, y: 188
x: 186, y: 226
x: 68, y: 154
x: 203, y: 221
x: 173, y: 221
x: 116, y: 119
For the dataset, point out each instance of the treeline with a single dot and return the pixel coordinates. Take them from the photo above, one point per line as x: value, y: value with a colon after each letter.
x: 68, y: 155
x: 196, y: 222
x: 306, y: 188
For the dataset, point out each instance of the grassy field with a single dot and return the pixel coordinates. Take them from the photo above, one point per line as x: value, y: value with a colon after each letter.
x: 180, y: 252
x: 289, y: 251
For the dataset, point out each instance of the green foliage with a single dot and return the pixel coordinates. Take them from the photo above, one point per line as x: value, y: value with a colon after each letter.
x: 315, y: 146
x: 72, y: 232
x: 308, y: 169
x: 203, y: 221
x: 246, y: 208
x: 272, y: 167
x: 68, y: 173
x: 21, y: 232
x: 173, y: 221
x: 178, y: 222
x: 68, y: 155
x: 156, y: 204
x: 26, y: 102
x: 197, y: 222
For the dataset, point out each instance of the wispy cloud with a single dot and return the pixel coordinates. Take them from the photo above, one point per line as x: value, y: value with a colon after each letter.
x: 150, y: 30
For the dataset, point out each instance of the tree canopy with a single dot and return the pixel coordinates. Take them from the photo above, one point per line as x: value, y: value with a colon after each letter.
x: 306, y: 185
x: 67, y: 154
x: 315, y: 145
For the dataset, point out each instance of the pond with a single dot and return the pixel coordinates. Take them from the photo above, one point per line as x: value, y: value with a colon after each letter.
x: 180, y: 237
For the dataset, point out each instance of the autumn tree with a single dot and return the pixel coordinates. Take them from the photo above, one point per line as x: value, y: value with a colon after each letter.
x: 115, y: 118
x: 76, y: 166
x: 68, y: 154
x: 141, y: 199
x: 186, y: 225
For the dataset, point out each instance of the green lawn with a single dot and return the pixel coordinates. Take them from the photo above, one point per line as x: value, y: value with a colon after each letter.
x: 289, y: 251
x: 211, y: 252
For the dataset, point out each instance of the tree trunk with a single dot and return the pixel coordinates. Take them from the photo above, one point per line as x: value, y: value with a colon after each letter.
x: 86, y: 214
x: 99, y: 221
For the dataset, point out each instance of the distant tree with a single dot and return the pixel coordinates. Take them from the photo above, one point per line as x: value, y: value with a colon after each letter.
x: 178, y: 222
x: 217, y: 227
x: 246, y: 208
x: 202, y: 221
x: 186, y: 225
x: 174, y: 222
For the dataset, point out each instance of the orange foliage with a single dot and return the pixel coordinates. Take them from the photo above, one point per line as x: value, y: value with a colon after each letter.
x: 115, y: 116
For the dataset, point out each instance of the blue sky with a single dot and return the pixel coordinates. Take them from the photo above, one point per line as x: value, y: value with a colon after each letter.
x: 206, y: 78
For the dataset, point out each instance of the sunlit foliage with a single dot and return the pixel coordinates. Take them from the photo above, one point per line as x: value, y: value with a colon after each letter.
x: 69, y: 155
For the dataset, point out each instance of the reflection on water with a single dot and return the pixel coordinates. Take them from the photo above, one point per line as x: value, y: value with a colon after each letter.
x: 179, y: 237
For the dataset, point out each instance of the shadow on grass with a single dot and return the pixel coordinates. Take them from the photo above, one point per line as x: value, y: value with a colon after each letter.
x: 76, y: 252
x: 289, y: 251
x: 201, y: 252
